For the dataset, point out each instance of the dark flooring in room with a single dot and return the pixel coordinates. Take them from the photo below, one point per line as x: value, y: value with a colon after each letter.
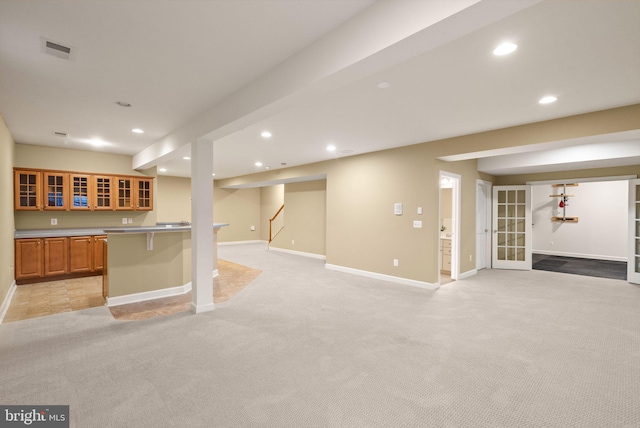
x: 577, y: 266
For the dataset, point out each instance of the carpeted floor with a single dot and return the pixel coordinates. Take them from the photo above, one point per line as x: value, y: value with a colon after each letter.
x: 577, y: 266
x: 303, y: 346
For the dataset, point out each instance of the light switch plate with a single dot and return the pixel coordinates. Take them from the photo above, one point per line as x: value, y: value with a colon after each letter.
x: 417, y: 224
x: 397, y: 208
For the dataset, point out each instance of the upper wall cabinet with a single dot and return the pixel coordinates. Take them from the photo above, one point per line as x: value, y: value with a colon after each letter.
x: 27, y: 190
x: 37, y: 190
x: 56, y: 191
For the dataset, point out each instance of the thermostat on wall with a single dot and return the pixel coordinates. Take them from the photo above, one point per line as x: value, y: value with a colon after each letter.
x: 397, y: 209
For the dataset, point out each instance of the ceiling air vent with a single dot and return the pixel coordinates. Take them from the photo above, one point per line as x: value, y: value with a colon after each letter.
x: 57, y: 49
x: 60, y: 134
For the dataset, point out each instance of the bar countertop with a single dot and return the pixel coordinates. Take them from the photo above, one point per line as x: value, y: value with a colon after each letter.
x: 89, y: 231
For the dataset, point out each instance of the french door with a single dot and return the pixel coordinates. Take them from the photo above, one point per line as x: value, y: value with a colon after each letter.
x: 633, y: 261
x: 511, y: 243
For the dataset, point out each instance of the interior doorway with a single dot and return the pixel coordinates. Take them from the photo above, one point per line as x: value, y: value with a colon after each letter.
x: 449, y: 224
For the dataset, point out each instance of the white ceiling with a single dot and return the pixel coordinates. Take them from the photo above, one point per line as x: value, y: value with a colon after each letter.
x: 176, y: 60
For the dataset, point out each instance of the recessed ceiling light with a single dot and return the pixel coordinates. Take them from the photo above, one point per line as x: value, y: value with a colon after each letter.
x: 258, y: 164
x: 505, y: 49
x: 267, y: 167
x: 384, y: 84
x: 97, y: 142
x: 186, y: 158
x: 163, y: 170
x: 331, y: 148
x: 214, y: 174
x: 266, y: 134
x: 137, y: 131
x: 346, y: 152
x: 123, y: 104
x: 548, y: 99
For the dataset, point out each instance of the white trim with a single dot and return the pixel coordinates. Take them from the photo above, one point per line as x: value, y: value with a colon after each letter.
x: 257, y: 241
x: 7, y: 301
x: 299, y: 253
x: 581, y: 256
x: 468, y: 273
x: 583, y: 180
x: 200, y: 309
x: 148, y: 295
x: 383, y: 277
x: 153, y: 294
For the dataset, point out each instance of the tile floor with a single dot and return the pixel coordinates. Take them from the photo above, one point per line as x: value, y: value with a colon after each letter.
x: 48, y: 298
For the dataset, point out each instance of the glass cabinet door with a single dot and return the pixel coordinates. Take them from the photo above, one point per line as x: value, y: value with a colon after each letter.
x: 28, y: 188
x: 144, y: 200
x: 80, y: 192
x: 103, y: 193
x: 55, y: 191
x: 124, y: 200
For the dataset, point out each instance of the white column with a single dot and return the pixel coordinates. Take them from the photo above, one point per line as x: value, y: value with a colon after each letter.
x: 202, y: 250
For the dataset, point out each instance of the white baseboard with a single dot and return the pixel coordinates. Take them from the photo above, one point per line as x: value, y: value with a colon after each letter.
x: 151, y: 295
x: 383, y: 277
x: 257, y: 241
x: 581, y: 256
x: 299, y: 253
x: 7, y: 301
x: 148, y: 295
x: 200, y: 309
x: 468, y: 273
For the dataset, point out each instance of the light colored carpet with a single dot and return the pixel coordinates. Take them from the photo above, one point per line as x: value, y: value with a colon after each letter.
x: 303, y: 346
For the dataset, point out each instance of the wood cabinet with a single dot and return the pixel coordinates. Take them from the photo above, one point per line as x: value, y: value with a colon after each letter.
x: 37, y: 190
x: 56, y: 256
x: 124, y: 200
x: 81, y: 250
x: 99, y: 252
x: 27, y: 190
x: 80, y: 192
x: 56, y: 191
x: 143, y: 194
x: 29, y: 258
x: 44, y: 258
x: 103, y: 192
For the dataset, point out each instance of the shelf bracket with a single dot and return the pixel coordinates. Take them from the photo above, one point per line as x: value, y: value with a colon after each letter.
x: 150, y: 240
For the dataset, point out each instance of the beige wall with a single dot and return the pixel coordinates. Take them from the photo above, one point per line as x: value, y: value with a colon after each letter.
x: 28, y: 156
x: 241, y: 209
x: 271, y: 199
x: 7, y: 149
x: 173, y: 199
x: 134, y: 269
x: 304, y: 218
x: 362, y: 232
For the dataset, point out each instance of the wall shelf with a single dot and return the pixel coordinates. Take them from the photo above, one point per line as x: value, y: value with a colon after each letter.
x: 563, y: 203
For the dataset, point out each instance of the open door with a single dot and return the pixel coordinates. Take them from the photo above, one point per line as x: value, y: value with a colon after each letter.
x: 633, y: 261
x: 511, y: 243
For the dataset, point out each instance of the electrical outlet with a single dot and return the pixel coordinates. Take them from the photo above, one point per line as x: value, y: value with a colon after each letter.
x: 293, y: 242
x: 395, y: 262
x: 253, y: 228
x: 417, y: 224
x: 54, y: 221
x: 124, y: 220
x: 470, y: 257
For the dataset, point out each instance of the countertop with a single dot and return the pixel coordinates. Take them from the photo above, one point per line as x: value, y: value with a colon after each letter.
x: 87, y: 231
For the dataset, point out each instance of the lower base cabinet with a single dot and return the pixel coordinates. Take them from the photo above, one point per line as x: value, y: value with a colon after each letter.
x: 38, y: 258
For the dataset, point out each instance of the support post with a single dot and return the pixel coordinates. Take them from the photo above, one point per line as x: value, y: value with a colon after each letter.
x: 202, y: 239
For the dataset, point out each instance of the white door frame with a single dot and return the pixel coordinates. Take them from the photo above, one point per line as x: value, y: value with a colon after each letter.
x: 633, y: 258
x: 486, y: 194
x: 456, y: 181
